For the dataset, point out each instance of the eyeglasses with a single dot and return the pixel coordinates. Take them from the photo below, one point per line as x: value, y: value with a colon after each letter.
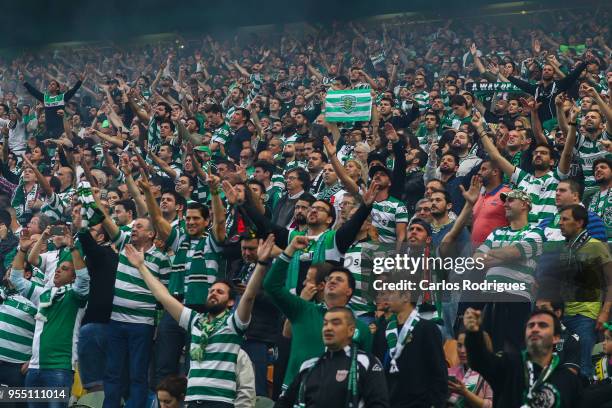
x: 291, y: 177
x: 319, y: 209
x: 423, y: 209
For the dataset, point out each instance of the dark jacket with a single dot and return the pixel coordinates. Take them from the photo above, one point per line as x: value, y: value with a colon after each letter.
x: 101, y: 263
x: 325, y: 382
x: 505, y: 373
x: 422, y: 380
x: 414, y: 189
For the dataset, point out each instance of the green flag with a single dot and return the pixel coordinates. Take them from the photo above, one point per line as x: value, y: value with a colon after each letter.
x: 350, y: 105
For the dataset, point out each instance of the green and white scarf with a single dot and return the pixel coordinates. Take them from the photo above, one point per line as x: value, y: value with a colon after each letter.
x: 207, y: 329
x: 318, y: 255
x: 198, y: 289
x: 48, y: 297
x: 395, y: 341
x: 532, y: 384
x: 90, y: 213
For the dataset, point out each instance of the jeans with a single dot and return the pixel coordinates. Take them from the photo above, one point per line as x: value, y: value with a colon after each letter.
x: 91, y: 349
x: 584, y: 327
x: 169, y: 343
x: 49, y: 378
x: 131, y: 342
x: 10, y: 375
x: 258, y: 353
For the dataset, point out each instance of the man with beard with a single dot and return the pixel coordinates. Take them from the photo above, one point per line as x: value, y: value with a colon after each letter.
x: 331, y: 184
x: 601, y: 202
x: 217, y: 329
x: 221, y: 131
x: 509, y: 255
x: 489, y: 211
x: 589, y: 144
x: 533, y: 378
x: 290, y: 158
x: 240, y: 133
x: 194, y: 266
x: 162, y: 112
x: 542, y: 185
x: 447, y: 171
x: 462, y: 146
x: 316, y: 162
x: 547, y: 88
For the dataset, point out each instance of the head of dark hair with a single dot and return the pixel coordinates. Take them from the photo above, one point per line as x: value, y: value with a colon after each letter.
x: 422, y: 157
x: 129, y: 206
x: 204, y: 211
x: 349, y: 276
x: 178, y: 199
x: 453, y: 155
x: 343, y: 80
x: 600, y: 160
x: 309, y: 198
x: 574, y: 186
x: 302, y: 175
x: 265, y: 166
x: 458, y: 100
x: 214, y: 109
x: 579, y: 213
x: 447, y: 196
x: 230, y: 285
x: 174, y: 385
x: 166, y: 106
x: 244, y: 112
x: 257, y: 183
x: 556, y: 321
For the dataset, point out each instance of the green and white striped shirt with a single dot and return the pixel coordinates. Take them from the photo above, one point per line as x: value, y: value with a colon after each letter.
x: 213, y: 378
x: 542, y: 191
x: 221, y: 134
x: 385, y: 217
x: 588, y: 151
x: 422, y: 98
x: 133, y: 302
x: 528, y: 240
x: 16, y: 329
x: 355, y: 260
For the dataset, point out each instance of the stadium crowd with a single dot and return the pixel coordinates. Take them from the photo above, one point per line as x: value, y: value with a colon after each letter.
x: 181, y: 226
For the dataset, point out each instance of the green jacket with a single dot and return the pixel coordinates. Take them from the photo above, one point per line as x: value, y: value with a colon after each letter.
x: 306, y: 320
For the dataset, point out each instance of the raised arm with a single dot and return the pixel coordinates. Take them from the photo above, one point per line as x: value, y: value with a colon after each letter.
x: 42, y: 180
x: 347, y: 182
x: 253, y: 287
x: 532, y: 107
x: 604, y: 107
x: 23, y: 286
x: 161, y: 225
x: 570, y: 142
x: 159, y: 291
x: 37, y: 248
x: 489, y: 146
x: 218, y: 209
x: 126, y: 168
x: 470, y: 196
